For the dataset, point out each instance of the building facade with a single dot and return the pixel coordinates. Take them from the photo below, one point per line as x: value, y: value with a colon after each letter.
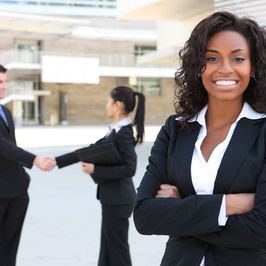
x: 64, y: 57
x: 176, y: 19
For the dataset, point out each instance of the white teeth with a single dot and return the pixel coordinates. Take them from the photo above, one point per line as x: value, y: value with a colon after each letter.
x: 225, y: 82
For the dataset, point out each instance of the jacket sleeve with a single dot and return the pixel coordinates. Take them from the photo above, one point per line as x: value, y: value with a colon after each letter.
x: 246, y: 230
x: 188, y: 216
x: 10, y: 151
x: 8, y: 147
x: 66, y: 159
x: 126, y: 147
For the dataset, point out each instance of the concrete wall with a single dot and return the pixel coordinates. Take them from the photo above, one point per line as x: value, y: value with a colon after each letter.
x: 86, y: 103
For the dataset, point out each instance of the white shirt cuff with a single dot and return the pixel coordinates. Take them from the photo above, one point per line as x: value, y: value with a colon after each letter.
x: 222, y: 218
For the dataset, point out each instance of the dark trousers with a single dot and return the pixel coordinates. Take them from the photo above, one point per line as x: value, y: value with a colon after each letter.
x: 12, y: 214
x: 114, y: 249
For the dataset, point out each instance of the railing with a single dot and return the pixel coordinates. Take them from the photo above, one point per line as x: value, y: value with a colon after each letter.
x: 72, y: 3
x: 80, y: 8
x: 19, y: 90
x: 108, y: 60
x: 20, y: 87
x: 25, y: 57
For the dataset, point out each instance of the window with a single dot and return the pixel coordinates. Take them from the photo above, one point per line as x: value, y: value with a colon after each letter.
x: 148, y: 86
x: 27, y: 51
x: 143, y: 49
x: 63, y: 101
x: 28, y: 114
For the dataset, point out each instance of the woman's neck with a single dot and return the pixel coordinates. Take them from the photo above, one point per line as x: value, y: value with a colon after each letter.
x: 223, y: 113
x: 119, y: 118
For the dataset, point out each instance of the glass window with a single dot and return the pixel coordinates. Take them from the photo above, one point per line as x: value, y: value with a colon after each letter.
x: 148, y: 86
x: 63, y: 101
x: 27, y: 51
x: 143, y: 49
x: 28, y: 111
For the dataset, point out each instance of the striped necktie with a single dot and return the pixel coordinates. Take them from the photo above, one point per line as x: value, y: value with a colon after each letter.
x: 3, y: 115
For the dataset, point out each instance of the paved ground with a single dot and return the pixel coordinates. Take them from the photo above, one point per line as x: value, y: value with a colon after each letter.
x: 62, y: 226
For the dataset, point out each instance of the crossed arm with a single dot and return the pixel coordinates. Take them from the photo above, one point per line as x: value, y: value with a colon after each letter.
x: 235, y: 203
x: 160, y: 209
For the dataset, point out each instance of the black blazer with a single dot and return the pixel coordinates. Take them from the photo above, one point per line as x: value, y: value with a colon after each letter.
x: 14, y: 180
x: 115, y: 185
x: 192, y: 221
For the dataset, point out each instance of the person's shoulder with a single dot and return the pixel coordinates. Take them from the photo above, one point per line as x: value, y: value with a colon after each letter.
x: 262, y: 120
x: 174, y: 120
x: 126, y: 130
x: 171, y: 123
x: 171, y: 119
x: 176, y: 123
x: 125, y: 135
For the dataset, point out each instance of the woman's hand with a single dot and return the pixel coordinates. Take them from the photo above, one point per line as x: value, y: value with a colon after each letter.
x: 87, y: 167
x: 168, y: 191
x: 239, y: 203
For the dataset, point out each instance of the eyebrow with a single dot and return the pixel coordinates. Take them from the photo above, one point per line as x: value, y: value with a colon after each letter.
x: 215, y: 51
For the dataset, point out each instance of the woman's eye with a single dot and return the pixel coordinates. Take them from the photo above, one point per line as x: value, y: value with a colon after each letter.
x: 212, y: 59
x: 239, y: 59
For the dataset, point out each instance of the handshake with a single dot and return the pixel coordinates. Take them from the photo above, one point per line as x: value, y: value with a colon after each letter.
x: 44, y: 163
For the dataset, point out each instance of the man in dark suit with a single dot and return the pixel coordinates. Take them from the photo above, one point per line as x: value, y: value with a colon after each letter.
x: 14, y: 181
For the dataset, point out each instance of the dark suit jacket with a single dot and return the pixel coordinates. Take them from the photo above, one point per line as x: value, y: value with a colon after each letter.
x: 14, y: 180
x: 192, y: 221
x: 115, y: 185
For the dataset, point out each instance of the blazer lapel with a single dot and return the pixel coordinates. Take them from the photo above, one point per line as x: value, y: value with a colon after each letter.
x: 185, y: 143
x: 9, y: 119
x: 4, y: 126
x: 111, y: 135
x: 243, y: 137
x: 10, y: 127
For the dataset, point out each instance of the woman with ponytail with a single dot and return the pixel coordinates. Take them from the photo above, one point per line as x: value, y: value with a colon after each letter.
x: 116, y: 190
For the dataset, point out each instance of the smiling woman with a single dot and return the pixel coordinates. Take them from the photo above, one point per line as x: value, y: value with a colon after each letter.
x: 228, y: 67
x: 205, y: 185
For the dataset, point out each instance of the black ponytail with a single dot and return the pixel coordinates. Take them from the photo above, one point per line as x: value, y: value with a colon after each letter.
x: 128, y: 97
x: 139, y: 117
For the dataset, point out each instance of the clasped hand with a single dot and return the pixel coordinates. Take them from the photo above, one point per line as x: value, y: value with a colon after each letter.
x: 168, y: 191
x: 44, y: 163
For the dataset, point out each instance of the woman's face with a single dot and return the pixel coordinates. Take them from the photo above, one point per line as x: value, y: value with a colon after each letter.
x: 228, y: 66
x: 110, y: 108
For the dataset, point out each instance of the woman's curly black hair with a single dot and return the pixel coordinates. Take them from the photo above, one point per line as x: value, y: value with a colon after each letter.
x: 191, y: 96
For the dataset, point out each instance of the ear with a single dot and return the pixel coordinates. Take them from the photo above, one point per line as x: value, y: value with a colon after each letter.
x: 118, y: 104
x: 252, y: 72
x: 120, y: 107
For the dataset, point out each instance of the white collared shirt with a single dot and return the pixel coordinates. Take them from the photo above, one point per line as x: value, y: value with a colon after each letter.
x: 204, y: 173
x: 117, y: 126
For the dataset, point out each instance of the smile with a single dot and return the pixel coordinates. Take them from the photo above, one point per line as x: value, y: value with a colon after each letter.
x: 226, y: 82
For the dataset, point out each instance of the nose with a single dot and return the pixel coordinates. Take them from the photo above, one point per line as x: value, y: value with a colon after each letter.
x: 226, y: 67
